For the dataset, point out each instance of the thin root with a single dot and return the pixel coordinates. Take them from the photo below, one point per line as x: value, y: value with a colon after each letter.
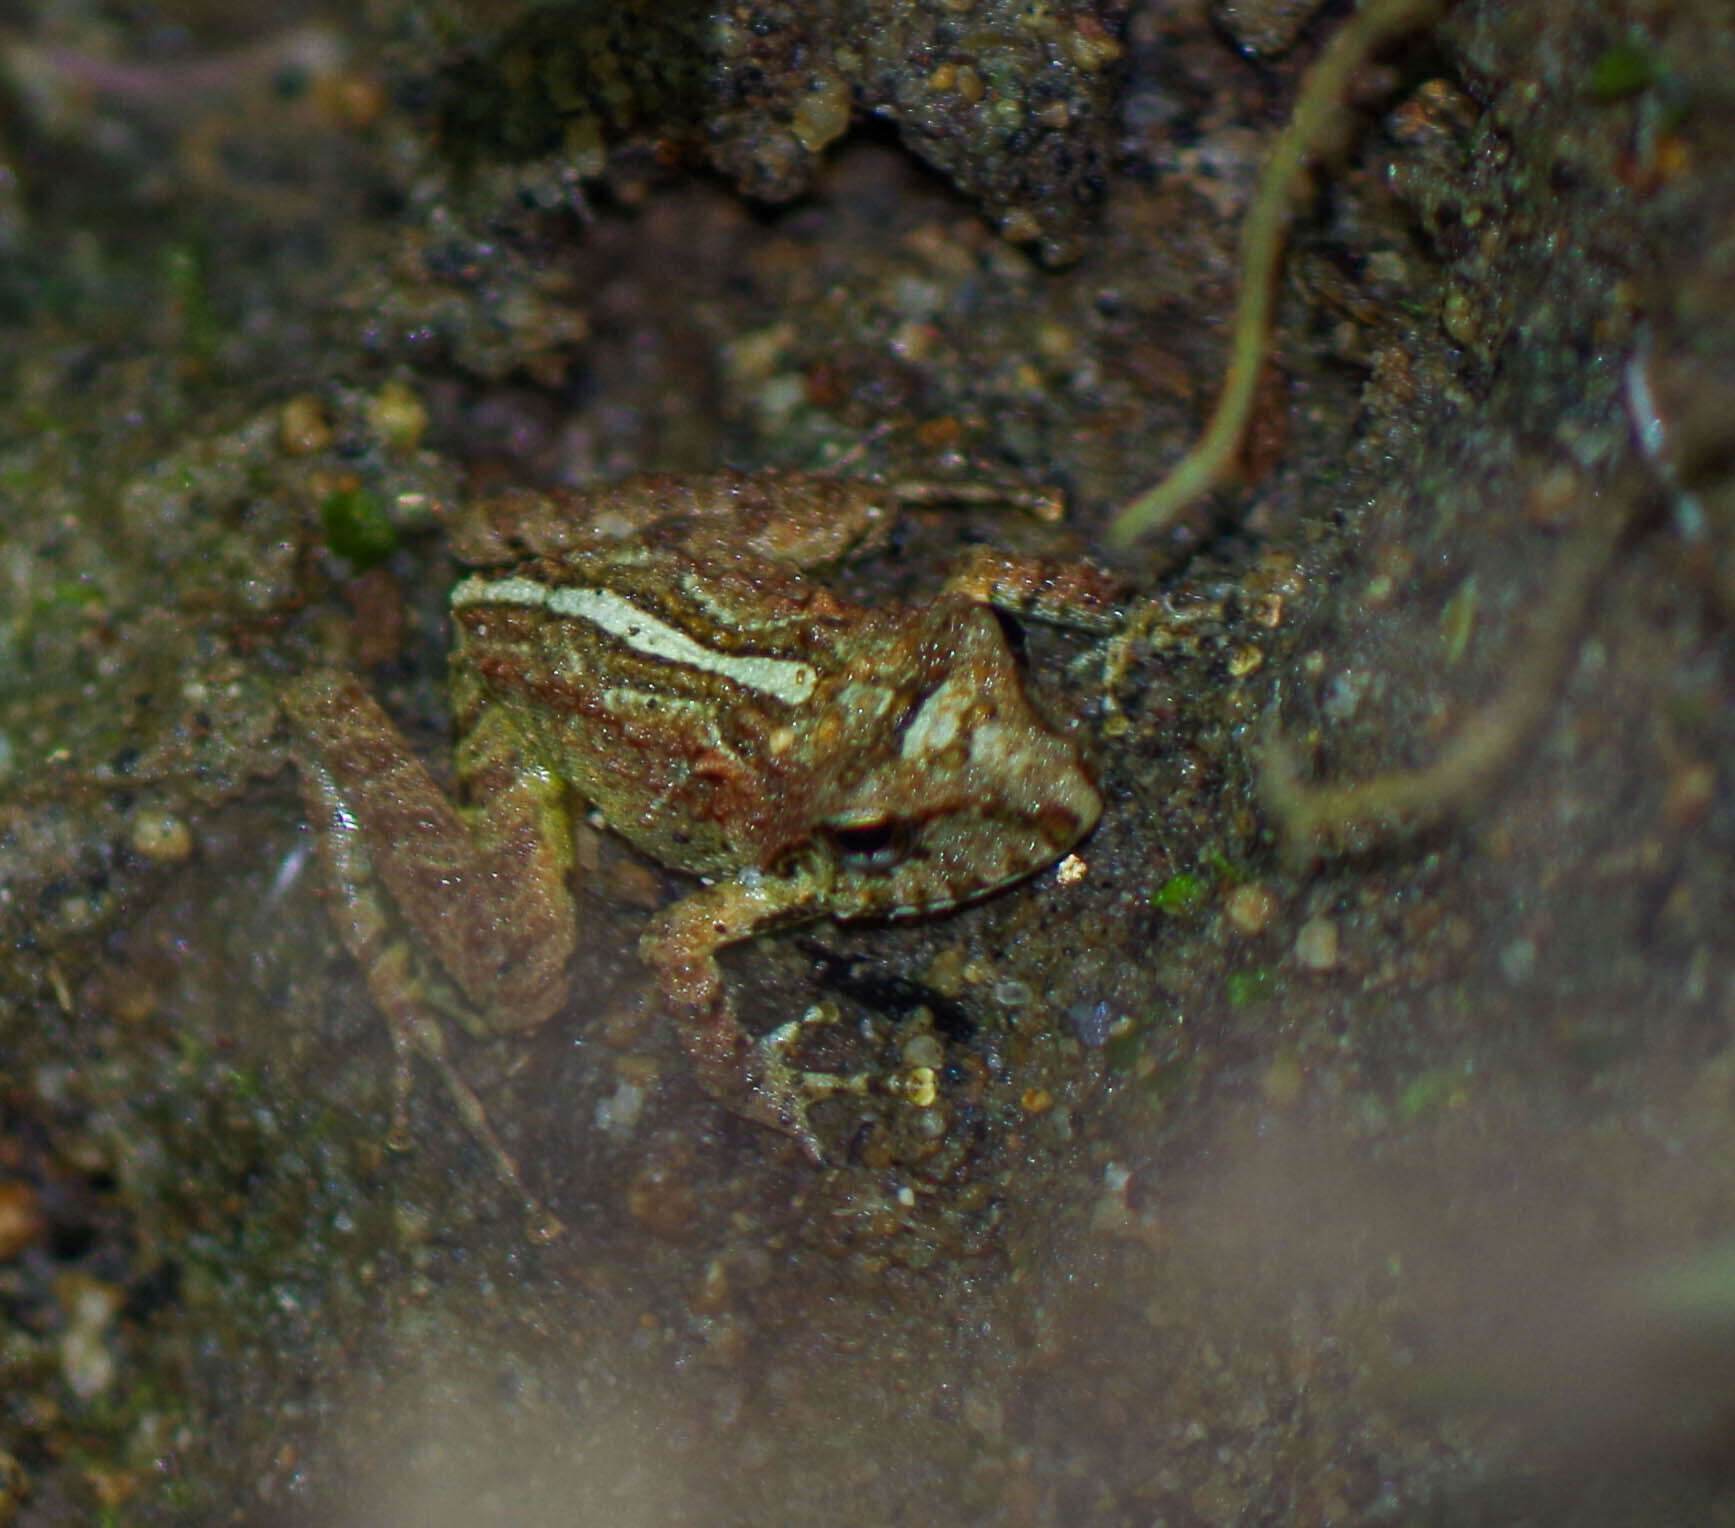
x: 1315, y: 819
x: 1312, y: 127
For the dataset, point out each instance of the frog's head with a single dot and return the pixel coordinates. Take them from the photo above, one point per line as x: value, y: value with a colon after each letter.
x: 978, y: 792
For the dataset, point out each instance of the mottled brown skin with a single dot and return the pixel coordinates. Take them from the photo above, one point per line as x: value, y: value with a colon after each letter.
x: 655, y: 650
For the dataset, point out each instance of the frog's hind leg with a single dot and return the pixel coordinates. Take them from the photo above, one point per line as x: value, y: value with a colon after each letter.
x: 384, y: 828
x: 388, y: 966
x: 753, y: 1077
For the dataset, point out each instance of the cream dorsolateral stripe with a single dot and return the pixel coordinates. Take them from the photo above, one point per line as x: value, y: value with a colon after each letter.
x: 783, y: 679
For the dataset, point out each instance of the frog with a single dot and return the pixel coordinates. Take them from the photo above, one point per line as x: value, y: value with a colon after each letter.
x: 661, y: 654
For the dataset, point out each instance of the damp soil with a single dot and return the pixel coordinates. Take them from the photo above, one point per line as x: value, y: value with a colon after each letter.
x: 1261, y: 1186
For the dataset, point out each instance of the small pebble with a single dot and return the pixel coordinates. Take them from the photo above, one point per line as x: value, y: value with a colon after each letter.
x: 90, y: 1306
x: 920, y: 1086
x: 398, y: 416
x: 1458, y: 317
x: 822, y: 115
x: 930, y: 1124
x: 620, y: 1112
x: 924, y: 1049
x: 161, y: 837
x: 302, y: 428
x: 1093, y: 1023
x: 1250, y: 908
x: 1245, y: 659
x: 1316, y: 944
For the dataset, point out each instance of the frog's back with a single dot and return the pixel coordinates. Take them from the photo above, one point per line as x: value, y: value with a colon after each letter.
x: 664, y: 691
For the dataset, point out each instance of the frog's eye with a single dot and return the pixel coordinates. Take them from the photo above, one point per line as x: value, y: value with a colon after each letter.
x: 877, y: 845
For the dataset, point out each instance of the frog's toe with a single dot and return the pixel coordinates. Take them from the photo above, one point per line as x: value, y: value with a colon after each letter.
x: 783, y: 1108
x: 779, y: 1094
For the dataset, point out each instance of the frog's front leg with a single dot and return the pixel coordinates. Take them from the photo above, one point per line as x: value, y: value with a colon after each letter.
x: 1059, y: 591
x: 752, y: 1077
x: 485, y: 889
